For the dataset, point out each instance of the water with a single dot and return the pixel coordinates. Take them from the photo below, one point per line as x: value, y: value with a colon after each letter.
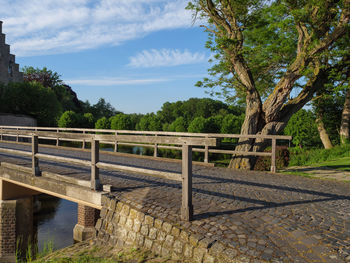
x: 54, y: 221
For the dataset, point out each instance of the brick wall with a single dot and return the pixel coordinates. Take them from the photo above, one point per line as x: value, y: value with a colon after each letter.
x: 86, y: 216
x: 123, y: 226
x: 7, y: 228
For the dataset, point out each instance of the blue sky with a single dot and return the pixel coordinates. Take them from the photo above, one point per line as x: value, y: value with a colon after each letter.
x: 137, y: 54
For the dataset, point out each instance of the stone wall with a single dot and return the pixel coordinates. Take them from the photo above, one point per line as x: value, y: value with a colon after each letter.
x: 9, y: 69
x: 122, y: 225
x: 17, y: 120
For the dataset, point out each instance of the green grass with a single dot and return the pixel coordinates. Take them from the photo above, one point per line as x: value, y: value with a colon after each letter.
x: 337, y: 157
x: 342, y: 164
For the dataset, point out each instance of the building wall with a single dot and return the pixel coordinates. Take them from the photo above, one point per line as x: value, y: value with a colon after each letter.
x: 9, y: 69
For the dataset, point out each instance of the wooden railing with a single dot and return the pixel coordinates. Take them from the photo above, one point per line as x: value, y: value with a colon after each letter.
x: 116, y: 141
x: 95, y: 164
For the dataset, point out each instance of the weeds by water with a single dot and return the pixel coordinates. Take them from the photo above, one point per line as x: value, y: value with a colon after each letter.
x: 32, y: 252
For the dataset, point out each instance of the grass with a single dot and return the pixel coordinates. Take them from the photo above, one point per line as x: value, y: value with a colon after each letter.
x: 338, y: 157
x: 85, y: 253
x: 342, y: 164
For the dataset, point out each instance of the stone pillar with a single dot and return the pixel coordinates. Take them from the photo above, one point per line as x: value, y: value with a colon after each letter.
x: 8, y: 231
x: 16, y: 220
x: 24, y: 225
x: 85, y: 228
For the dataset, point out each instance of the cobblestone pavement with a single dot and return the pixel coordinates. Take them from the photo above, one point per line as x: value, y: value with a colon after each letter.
x: 262, y: 216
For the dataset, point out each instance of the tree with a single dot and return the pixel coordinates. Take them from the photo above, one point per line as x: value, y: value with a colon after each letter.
x: 31, y: 99
x: 69, y: 119
x: 101, y: 109
x: 303, y: 129
x: 345, y: 120
x: 197, y: 125
x: 179, y: 125
x: 121, y: 121
x: 231, y: 124
x: 52, y: 80
x: 103, y: 123
x: 149, y: 122
x: 265, y: 50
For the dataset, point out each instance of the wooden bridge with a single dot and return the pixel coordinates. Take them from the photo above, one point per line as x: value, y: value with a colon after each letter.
x: 229, y: 207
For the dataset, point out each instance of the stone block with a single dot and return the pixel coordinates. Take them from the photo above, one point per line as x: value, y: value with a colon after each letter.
x: 148, y: 244
x: 125, y: 210
x: 208, y: 259
x: 161, y: 235
x: 153, y: 233
x: 158, y: 223
x: 119, y: 207
x: 184, y: 235
x: 198, y: 254
x: 157, y: 248
x: 167, y: 227
x: 113, y: 204
x: 188, y: 251
x: 178, y: 246
x: 129, y: 224
x: 133, y: 214
x: 122, y: 220
x: 144, y: 230
x: 165, y: 252
x: 175, y: 231
x: 149, y: 220
x: 216, y: 248
x: 137, y: 225
x: 169, y: 241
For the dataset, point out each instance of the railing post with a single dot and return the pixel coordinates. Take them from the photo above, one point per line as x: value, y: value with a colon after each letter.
x: 35, y: 160
x: 116, y: 143
x: 83, y: 146
x: 95, y: 175
x: 273, y: 156
x: 17, y: 135
x: 58, y: 140
x: 1, y: 133
x: 187, y: 207
x: 155, y: 152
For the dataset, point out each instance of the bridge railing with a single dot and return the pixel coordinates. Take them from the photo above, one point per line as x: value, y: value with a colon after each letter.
x: 95, y: 164
x: 117, y: 140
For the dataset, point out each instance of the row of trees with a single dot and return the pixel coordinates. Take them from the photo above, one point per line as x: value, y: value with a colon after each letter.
x: 193, y: 115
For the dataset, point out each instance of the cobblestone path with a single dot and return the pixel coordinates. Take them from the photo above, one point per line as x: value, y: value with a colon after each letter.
x: 262, y: 216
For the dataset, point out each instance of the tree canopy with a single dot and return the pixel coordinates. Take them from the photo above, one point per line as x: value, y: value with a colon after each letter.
x: 274, y: 55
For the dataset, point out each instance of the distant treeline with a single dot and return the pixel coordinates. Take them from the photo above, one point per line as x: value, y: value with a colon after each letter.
x: 193, y: 115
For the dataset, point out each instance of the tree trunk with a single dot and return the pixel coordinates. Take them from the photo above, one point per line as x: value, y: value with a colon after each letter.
x: 323, y: 133
x: 345, y: 120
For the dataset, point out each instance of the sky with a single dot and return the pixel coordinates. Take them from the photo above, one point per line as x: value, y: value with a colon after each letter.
x: 136, y: 54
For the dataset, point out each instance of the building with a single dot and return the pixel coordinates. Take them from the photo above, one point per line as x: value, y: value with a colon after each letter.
x: 9, y: 69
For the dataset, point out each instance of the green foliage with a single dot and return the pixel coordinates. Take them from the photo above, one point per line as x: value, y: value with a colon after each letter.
x: 197, y: 125
x: 52, y: 80
x: 149, y: 122
x: 46, y: 77
x: 178, y: 125
x: 103, y: 123
x: 87, y: 121
x: 101, y: 109
x: 30, y: 98
x: 69, y: 119
x: 313, y: 157
x: 302, y: 127
x: 231, y: 124
x: 121, y: 121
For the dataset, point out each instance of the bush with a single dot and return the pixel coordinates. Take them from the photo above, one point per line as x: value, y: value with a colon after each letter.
x: 282, y: 159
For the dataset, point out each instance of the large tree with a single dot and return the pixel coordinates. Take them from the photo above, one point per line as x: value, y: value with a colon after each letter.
x: 271, y: 53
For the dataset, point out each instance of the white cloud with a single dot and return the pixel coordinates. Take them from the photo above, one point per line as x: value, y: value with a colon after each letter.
x: 59, y: 26
x: 113, y: 81
x: 165, y: 57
